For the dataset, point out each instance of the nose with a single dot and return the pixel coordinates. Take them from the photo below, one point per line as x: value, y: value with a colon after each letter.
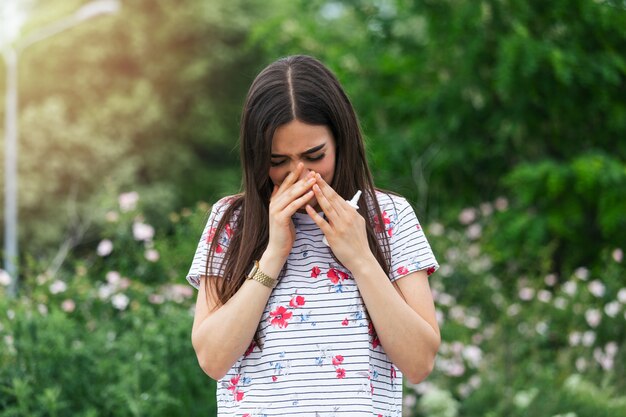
x: 303, y: 174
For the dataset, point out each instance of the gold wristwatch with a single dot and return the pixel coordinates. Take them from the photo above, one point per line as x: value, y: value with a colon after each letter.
x: 258, y: 275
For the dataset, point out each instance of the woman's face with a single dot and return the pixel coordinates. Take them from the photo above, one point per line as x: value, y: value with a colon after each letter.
x: 313, y: 145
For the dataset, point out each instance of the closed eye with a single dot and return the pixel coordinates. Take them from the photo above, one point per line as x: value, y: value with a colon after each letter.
x: 310, y: 159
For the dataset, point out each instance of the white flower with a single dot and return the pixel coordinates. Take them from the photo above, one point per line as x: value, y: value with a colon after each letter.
x: 5, y: 278
x: 575, y: 338
x: 589, y: 337
x: 142, y: 231
x: 436, y: 229
x: 513, y: 310
x: 68, y: 305
x: 58, y: 287
x: 105, y: 247
x: 544, y: 296
x: 581, y: 364
x: 550, y: 280
x: 473, y: 355
x: 526, y: 294
x: 409, y: 400
x: 582, y: 273
x: 596, y: 288
x: 156, y: 298
x: 486, y: 209
x: 178, y: 292
x: 560, y: 303
x: 467, y: 215
x: 105, y: 291
x: 569, y: 288
x: 113, y: 278
x: 618, y: 255
x: 612, y: 308
x: 472, y: 322
x: 621, y: 295
x: 444, y: 299
x: 120, y: 301
x: 593, y: 317
x: 605, y: 361
x: 542, y: 328
x: 611, y: 349
x: 43, y: 310
x: 128, y: 201
x: 112, y: 216
x: 501, y: 203
x: 152, y: 255
x: 474, y: 231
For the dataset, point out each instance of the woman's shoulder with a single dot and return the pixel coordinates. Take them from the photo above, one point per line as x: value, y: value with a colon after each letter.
x: 223, y: 203
x: 390, y: 201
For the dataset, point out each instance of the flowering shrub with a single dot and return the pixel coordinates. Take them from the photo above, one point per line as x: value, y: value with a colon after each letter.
x: 526, y: 345
x: 109, y: 334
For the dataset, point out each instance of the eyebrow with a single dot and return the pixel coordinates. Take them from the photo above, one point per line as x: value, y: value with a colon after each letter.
x: 307, y: 152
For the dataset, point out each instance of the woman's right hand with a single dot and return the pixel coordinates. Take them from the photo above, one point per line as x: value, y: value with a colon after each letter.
x: 292, y: 195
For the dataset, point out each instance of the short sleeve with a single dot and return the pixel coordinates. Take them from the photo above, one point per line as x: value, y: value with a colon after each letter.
x: 410, y: 250
x: 198, y: 265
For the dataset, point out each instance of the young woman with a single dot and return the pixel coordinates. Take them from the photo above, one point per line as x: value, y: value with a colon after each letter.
x: 307, y: 304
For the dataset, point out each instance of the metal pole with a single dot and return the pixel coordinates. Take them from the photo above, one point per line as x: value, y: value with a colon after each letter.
x: 10, y: 170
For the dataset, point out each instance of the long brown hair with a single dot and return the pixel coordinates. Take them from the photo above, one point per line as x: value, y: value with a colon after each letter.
x: 295, y: 87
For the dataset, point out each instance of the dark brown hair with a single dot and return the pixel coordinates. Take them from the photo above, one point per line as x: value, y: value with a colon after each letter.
x: 295, y: 87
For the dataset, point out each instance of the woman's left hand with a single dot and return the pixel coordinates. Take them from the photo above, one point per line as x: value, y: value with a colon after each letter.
x: 345, y: 229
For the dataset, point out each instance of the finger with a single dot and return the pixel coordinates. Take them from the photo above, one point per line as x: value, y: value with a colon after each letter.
x: 274, y: 190
x: 294, y: 192
x: 325, y: 204
x: 291, y: 178
x: 298, y: 203
x: 319, y: 220
x: 331, y: 195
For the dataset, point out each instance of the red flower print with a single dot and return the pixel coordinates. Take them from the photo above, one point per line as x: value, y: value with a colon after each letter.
x: 418, y: 227
x: 430, y: 270
x: 238, y: 395
x: 274, y: 378
x: 345, y: 322
x: 375, y: 342
x: 335, y: 275
x: 337, y: 360
x: 210, y: 235
x: 280, y: 317
x: 332, y: 275
x: 246, y: 415
x: 229, y: 231
x: 341, y: 373
x: 250, y: 349
x: 380, y: 227
x: 297, y: 301
x: 393, y: 372
x: 403, y: 270
x: 372, y: 332
x: 315, y: 272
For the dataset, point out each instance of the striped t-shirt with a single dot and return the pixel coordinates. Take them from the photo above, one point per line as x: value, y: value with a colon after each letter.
x: 321, y: 356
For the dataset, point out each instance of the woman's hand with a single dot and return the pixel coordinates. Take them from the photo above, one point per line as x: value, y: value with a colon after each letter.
x: 292, y: 195
x: 345, y: 230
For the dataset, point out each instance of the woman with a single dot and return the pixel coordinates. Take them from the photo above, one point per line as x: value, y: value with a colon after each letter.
x: 286, y: 323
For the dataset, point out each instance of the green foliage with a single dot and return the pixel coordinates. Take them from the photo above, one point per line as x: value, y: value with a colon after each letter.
x: 564, y: 214
x: 502, y: 120
x: 107, y: 336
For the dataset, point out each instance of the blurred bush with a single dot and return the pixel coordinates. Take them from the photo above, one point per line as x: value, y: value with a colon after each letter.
x: 109, y: 334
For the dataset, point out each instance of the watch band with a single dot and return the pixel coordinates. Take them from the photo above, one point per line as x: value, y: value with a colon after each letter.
x: 258, y: 275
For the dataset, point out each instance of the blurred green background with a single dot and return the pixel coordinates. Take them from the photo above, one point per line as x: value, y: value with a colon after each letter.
x: 502, y: 121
